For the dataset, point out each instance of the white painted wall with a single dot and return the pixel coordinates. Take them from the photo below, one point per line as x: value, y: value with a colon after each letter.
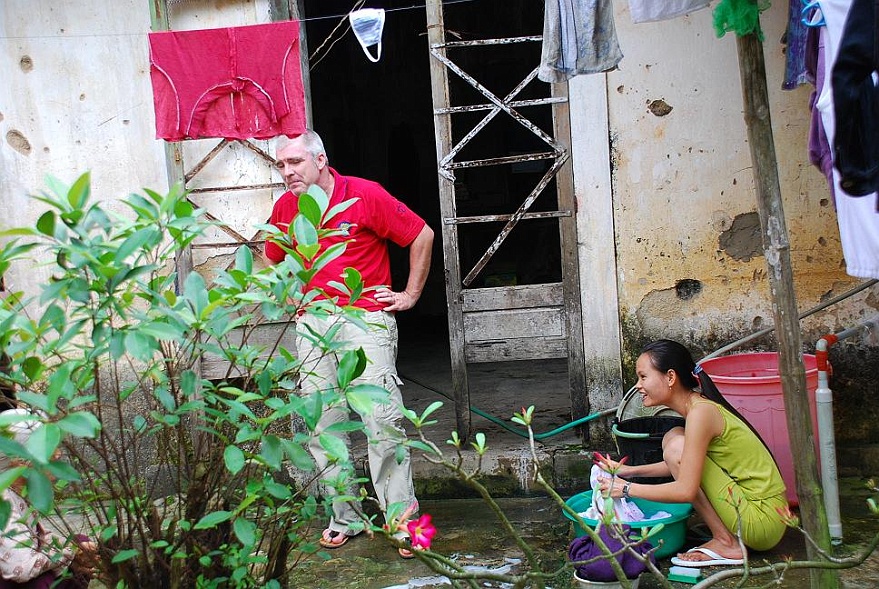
x: 76, y: 88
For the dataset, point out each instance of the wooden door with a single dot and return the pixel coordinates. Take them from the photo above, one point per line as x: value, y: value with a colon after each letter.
x: 496, y: 315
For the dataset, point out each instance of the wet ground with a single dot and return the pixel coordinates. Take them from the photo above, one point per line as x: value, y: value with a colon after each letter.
x: 469, y: 533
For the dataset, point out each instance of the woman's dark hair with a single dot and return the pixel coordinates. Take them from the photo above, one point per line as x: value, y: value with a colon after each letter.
x: 666, y: 354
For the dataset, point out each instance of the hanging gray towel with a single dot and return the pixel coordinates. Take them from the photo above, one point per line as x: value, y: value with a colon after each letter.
x: 579, y: 37
x: 653, y: 10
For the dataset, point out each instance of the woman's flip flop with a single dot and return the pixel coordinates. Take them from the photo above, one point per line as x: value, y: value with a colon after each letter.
x: 713, y: 559
x: 332, y: 539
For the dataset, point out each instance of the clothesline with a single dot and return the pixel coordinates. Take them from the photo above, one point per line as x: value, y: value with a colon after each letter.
x: 308, y: 19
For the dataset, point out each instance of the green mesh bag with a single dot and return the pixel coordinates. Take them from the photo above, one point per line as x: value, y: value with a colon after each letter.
x: 739, y: 16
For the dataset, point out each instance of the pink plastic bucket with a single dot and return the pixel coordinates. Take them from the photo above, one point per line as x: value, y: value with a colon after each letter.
x: 751, y: 384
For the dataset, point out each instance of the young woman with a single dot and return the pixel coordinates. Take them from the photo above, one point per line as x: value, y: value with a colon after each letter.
x: 718, y: 461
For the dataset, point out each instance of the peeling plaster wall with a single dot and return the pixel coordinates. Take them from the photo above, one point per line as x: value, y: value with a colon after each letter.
x: 679, y: 252
x: 689, y: 255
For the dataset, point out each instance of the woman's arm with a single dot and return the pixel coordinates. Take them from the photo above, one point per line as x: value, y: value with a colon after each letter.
x: 655, y: 470
x: 704, y: 422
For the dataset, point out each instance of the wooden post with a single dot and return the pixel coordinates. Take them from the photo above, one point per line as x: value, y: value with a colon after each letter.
x: 776, y: 248
x: 161, y: 21
x: 443, y: 124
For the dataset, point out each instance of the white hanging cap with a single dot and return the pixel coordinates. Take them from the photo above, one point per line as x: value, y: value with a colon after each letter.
x: 368, y: 24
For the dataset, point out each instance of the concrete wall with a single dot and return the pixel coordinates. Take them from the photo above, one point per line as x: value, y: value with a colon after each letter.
x: 682, y: 236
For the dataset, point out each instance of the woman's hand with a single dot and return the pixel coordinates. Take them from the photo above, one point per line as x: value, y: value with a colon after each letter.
x: 612, y: 487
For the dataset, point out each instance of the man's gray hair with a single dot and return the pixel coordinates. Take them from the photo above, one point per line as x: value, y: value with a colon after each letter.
x: 313, y: 143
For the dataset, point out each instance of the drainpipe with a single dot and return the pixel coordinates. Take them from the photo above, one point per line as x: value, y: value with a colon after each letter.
x: 826, y: 439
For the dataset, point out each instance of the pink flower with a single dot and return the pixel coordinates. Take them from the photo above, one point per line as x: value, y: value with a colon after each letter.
x: 607, y: 464
x: 788, y: 517
x: 421, y: 531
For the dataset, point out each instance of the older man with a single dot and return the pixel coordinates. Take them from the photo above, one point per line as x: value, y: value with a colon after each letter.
x: 367, y: 225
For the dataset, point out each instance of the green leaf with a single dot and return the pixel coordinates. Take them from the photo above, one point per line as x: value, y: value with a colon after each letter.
x: 244, y: 259
x: 63, y: 471
x: 304, y: 232
x: 5, y: 512
x: 299, y: 456
x: 109, y: 532
x: 80, y: 424
x: 140, y: 345
x: 321, y: 200
x: 345, y: 427
x: 39, y: 490
x: 135, y: 242
x: 278, y: 490
x: 335, y: 448
x: 212, y: 519
x: 307, y: 251
x: 32, y: 367
x: 162, y: 331
x: 79, y: 192
x: 46, y: 223
x: 234, y: 459
x: 271, y: 451
x: 245, y: 530
x: 364, y: 397
x: 351, y: 365
x: 125, y: 555
x: 431, y: 408
x: 309, y: 408
x: 7, y: 477
x: 43, y: 442
x: 309, y: 208
x: 183, y: 208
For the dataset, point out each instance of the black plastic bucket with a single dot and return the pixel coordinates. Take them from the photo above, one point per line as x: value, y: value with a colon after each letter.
x: 641, y: 439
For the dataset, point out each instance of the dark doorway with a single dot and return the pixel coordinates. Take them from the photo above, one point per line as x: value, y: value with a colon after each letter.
x: 377, y: 122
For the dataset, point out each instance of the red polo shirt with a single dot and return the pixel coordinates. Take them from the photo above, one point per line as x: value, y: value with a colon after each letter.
x: 367, y: 225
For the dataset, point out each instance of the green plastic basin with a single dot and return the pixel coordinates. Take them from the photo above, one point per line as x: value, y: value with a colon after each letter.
x: 670, y: 539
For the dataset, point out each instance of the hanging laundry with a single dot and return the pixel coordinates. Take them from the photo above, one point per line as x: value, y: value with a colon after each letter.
x: 368, y: 24
x: 653, y: 10
x: 579, y: 37
x: 820, y: 154
x: 857, y: 216
x: 856, y: 100
x: 795, y: 41
x: 235, y: 83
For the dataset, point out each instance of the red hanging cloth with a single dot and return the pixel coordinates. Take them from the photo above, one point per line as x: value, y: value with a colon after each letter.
x: 235, y: 83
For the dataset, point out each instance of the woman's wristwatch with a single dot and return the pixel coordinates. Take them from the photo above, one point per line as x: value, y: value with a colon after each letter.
x: 626, y: 490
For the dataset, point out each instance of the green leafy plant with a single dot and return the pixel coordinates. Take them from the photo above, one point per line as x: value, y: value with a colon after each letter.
x: 180, y: 479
